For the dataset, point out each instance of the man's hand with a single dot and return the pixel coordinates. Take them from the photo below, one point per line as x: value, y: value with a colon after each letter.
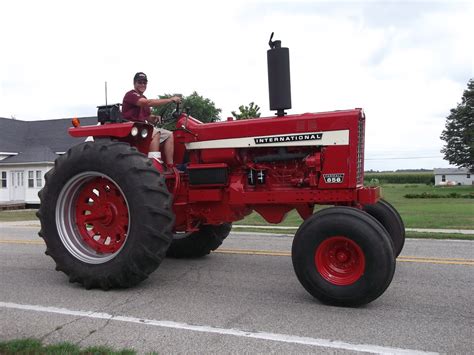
x: 176, y: 99
x: 155, y: 119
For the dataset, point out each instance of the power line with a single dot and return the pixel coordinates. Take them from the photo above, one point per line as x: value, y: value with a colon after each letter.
x: 403, y: 158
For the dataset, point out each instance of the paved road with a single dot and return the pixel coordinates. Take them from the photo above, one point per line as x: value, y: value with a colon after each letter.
x: 243, y: 299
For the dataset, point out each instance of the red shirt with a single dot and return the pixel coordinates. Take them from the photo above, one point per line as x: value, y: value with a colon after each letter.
x: 131, y: 111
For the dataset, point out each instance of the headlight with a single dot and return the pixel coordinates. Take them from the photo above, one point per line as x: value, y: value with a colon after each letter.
x: 144, y: 133
x: 134, y: 131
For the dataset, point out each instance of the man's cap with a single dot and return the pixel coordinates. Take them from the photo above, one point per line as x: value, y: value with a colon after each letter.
x: 140, y: 76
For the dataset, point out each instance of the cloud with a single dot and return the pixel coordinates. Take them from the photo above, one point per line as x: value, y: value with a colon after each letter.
x: 405, y: 63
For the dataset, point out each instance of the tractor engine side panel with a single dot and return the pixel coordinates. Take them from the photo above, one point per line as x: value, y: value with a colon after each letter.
x: 271, y: 165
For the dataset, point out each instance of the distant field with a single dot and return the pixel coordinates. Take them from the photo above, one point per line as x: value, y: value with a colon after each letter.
x: 400, y: 178
x: 450, y: 213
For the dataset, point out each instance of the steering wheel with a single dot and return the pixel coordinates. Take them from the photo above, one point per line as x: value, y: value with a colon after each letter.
x: 174, y: 116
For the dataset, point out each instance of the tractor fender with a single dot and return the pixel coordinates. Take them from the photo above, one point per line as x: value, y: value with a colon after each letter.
x: 119, y: 130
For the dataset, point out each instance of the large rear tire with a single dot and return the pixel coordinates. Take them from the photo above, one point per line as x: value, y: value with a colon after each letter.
x: 105, y: 215
x: 388, y: 216
x: 343, y: 256
x: 199, y: 243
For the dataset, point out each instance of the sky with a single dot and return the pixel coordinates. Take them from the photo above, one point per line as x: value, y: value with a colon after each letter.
x: 406, y: 63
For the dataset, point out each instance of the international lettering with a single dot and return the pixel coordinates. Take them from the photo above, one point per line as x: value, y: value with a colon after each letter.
x: 289, y: 138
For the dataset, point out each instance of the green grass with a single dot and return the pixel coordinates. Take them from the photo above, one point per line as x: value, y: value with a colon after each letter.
x: 450, y: 213
x: 447, y: 213
x: 18, y: 215
x: 34, y: 346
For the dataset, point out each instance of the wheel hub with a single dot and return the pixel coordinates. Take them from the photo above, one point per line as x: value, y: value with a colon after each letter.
x: 340, y: 260
x: 110, y: 214
x: 101, y: 215
x: 342, y: 256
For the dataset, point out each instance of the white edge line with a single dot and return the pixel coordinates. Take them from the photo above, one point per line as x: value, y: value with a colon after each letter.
x: 285, y: 338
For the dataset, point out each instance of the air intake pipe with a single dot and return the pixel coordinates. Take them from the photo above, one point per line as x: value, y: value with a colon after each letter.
x: 278, y: 61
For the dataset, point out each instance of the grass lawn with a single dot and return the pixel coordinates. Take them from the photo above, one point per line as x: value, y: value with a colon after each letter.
x: 34, y: 346
x: 449, y: 213
x: 17, y: 215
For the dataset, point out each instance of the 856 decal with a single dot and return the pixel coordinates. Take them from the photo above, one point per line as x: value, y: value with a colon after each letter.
x: 333, y: 178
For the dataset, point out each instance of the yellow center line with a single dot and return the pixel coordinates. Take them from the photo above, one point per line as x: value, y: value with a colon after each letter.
x: 252, y: 252
x: 412, y: 259
x: 406, y: 259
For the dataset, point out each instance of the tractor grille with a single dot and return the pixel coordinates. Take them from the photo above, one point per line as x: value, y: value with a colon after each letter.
x: 360, y: 151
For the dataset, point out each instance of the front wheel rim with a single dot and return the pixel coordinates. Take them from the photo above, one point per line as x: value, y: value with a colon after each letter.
x: 92, y: 217
x: 339, y: 260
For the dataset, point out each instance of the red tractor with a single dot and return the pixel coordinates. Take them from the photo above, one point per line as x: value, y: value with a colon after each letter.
x: 109, y: 215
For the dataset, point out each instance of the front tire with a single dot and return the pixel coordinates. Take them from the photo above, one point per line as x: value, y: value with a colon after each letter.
x: 343, y: 256
x: 105, y: 215
x: 200, y: 243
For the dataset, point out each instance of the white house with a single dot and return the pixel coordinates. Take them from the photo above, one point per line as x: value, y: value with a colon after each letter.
x: 453, y: 177
x: 28, y: 150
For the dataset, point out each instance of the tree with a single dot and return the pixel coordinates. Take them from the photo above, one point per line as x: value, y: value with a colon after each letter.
x: 200, y: 108
x: 250, y: 111
x: 459, y: 132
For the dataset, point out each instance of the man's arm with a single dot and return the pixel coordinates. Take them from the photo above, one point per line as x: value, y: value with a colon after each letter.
x: 142, y: 102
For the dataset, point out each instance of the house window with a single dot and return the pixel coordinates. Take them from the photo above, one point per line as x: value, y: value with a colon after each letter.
x: 39, y: 180
x: 31, y: 179
x: 468, y: 176
x: 3, y: 180
x: 443, y: 178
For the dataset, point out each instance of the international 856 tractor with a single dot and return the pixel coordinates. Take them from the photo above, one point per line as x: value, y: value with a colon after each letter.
x: 109, y: 214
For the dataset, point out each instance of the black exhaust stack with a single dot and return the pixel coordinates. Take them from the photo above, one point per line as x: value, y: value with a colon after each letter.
x: 278, y: 60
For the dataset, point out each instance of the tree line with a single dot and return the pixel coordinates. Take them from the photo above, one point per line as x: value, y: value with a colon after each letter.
x: 204, y: 109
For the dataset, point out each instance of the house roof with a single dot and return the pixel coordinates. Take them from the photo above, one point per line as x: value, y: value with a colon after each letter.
x: 33, y: 154
x: 12, y: 133
x: 37, y: 141
x: 451, y: 171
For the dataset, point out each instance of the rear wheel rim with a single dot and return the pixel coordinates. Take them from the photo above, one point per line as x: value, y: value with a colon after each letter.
x: 92, y: 217
x: 340, y: 260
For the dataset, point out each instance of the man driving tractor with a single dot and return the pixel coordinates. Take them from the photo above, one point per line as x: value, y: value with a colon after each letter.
x: 136, y: 107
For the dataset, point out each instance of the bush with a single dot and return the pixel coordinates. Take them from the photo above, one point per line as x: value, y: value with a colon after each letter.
x: 374, y: 182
